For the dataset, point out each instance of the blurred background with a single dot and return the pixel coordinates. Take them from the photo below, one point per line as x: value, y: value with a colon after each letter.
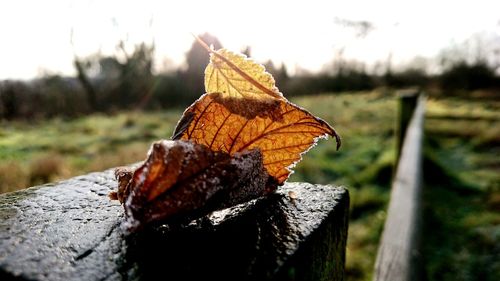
x: 88, y: 85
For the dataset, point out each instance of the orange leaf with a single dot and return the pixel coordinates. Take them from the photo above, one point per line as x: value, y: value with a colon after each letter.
x: 244, y: 110
x: 282, y: 131
x: 237, y: 142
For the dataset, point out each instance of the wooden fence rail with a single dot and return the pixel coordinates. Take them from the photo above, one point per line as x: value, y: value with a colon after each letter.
x: 397, y: 257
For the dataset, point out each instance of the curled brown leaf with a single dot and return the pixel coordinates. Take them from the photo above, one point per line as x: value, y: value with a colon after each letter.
x: 182, y: 180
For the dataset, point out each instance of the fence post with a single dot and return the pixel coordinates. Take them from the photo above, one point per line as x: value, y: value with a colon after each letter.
x: 71, y: 231
x: 407, y: 100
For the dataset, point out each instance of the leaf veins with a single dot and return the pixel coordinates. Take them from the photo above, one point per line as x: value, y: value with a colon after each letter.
x: 243, y: 110
x: 237, y: 142
x: 234, y: 75
x: 281, y: 136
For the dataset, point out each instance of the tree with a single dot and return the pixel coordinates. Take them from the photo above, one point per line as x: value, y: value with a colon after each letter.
x: 81, y: 70
x: 9, y: 103
x: 127, y: 82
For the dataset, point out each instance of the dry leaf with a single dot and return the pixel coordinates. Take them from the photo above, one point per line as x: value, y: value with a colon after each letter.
x: 237, y: 142
x: 244, y: 110
x: 236, y: 76
x: 183, y: 180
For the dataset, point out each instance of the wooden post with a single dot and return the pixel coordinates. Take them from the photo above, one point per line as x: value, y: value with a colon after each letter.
x: 407, y: 104
x: 71, y: 231
x: 398, y: 253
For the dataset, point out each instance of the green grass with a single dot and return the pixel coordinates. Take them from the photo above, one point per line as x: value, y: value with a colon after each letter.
x: 56, y: 149
x: 33, y: 153
x: 461, y: 196
x: 462, y: 191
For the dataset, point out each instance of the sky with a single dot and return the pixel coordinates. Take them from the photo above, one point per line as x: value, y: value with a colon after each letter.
x: 41, y: 37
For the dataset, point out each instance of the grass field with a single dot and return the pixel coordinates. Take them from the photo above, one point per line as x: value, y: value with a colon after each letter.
x: 462, y: 191
x: 462, y: 168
